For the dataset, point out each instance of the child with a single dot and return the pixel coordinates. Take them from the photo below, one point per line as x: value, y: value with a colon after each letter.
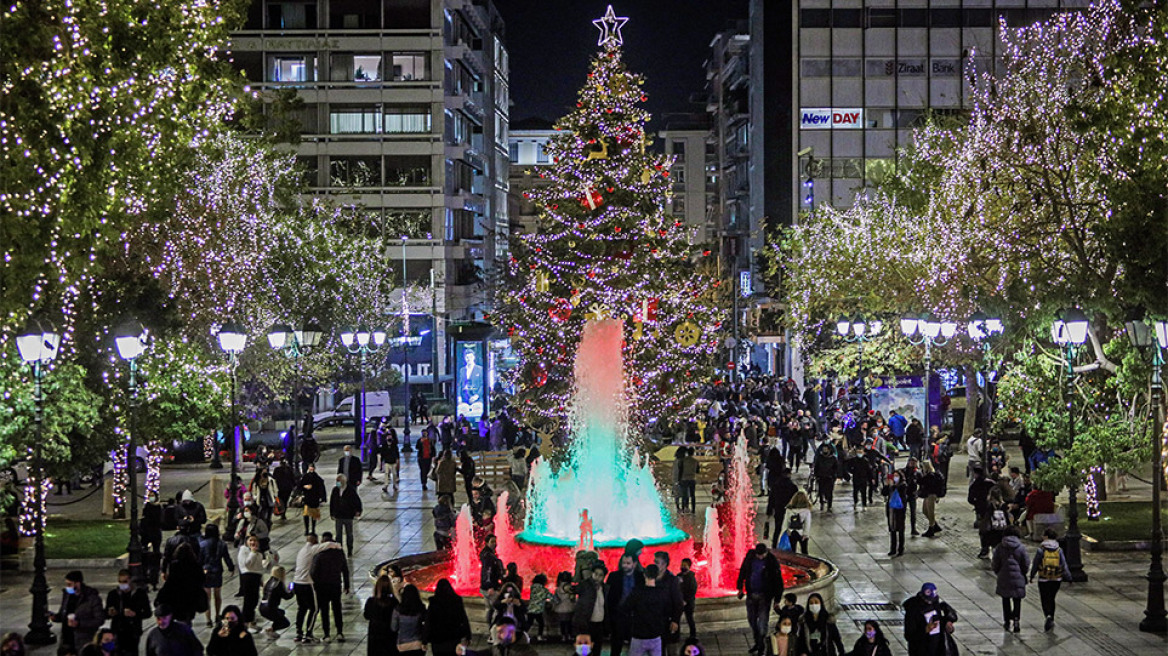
x: 565, y: 604
x: 512, y: 576
x: 689, y: 593
x: 538, y: 604
x: 789, y: 608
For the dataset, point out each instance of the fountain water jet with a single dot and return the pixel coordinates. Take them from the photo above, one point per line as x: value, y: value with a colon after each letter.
x: 466, y: 561
x: 741, y: 499
x: 712, y: 548
x: 600, y: 474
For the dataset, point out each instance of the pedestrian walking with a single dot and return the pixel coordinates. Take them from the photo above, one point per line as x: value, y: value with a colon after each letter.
x: 409, y: 622
x: 381, y: 639
x: 127, y: 606
x: 329, y: 570
x: 895, y: 500
x: 932, y: 487
x: 797, y: 522
x: 214, y: 556
x: 345, y: 507
x: 302, y: 587
x: 825, y: 469
x: 170, y: 637
x: 689, y: 594
x: 928, y: 624
x: 817, y: 632
x: 1011, y: 564
x: 1050, y: 565
x: 760, y: 581
x: 350, y: 467
x: 447, y: 623
x: 445, y: 474
x: 285, y: 479
x: 621, y: 584
x: 313, y: 494
x: 648, y: 610
x: 231, y: 637
x: 183, y: 590
x: 872, y: 642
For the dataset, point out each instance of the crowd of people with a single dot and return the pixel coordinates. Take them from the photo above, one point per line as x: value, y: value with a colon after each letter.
x: 803, y: 445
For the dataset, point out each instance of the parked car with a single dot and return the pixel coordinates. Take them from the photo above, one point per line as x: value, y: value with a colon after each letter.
x: 377, y: 405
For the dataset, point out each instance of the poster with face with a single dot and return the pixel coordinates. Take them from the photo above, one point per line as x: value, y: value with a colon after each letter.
x: 471, y: 379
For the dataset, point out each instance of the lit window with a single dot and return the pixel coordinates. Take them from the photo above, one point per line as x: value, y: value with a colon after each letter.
x: 400, y: 120
x: 289, y: 69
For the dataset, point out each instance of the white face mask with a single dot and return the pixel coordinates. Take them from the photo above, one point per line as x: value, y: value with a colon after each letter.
x: 583, y: 650
x: 814, y: 608
x: 785, y: 629
x: 247, y: 515
x: 124, y: 587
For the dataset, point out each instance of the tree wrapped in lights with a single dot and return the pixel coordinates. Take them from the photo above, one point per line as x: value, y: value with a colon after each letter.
x: 606, y: 248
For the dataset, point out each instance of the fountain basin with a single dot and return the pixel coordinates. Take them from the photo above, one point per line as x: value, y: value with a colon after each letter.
x: 717, y: 608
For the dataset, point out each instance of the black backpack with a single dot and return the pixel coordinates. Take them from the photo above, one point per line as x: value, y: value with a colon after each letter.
x: 795, y: 522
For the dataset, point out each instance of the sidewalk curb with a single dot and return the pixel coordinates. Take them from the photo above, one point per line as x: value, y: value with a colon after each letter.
x: 1116, y: 545
x: 121, y: 562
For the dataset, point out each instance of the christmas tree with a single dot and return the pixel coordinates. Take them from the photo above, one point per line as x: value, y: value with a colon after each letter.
x: 607, y: 249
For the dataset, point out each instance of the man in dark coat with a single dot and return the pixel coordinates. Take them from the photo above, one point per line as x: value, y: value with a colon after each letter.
x: 127, y: 606
x: 668, y: 581
x: 188, y: 507
x: 490, y: 575
x: 81, y: 613
x: 329, y: 570
x: 782, y: 489
x: 171, y: 638
x: 825, y: 468
x: 350, y: 465
x: 309, y: 448
x: 760, y: 580
x: 345, y: 506
x: 621, y: 584
x: 285, y: 479
x: 928, y: 623
x: 649, y: 615
x: 589, y: 614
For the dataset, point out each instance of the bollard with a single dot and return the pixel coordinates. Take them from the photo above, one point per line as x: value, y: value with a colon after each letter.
x: 217, y: 500
x: 107, y: 497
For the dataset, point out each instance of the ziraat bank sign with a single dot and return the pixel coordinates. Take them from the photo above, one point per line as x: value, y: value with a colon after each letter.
x: 828, y: 118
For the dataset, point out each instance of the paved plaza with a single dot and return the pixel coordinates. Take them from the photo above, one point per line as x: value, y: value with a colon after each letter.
x: 1097, y: 618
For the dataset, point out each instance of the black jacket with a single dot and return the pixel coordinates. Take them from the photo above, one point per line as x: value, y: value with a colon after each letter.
x: 491, y: 574
x: 382, y: 638
x: 614, y: 613
x: 345, y: 503
x: 176, y: 640
x: 672, y: 587
x: 932, y: 484
x: 916, y: 624
x: 274, y: 592
x: 355, y: 469
x: 586, y: 594
x: 447, y: 622
x: 312, y: 488
x: 237, y: 643
x: 285, y: 478
x: 136, y: 600
x: 772, y: 577
x: 330, y: 568
x: 648, y: 611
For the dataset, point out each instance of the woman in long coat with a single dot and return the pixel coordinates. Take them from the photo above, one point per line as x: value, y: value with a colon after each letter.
x: 1011, y: 563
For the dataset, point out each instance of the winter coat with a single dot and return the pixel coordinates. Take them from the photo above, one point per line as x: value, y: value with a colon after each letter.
x: 345, y: 503
x: 382, y: 639
x: 1036, y: 566
x: 446, y: 476
x: 312, y: 487
x: 1011, y: 563
x: 772, y: 577
x: 586, y: 596
x: 932, y: 485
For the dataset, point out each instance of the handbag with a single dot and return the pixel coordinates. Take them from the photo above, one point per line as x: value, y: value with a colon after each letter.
x: 785, y: 541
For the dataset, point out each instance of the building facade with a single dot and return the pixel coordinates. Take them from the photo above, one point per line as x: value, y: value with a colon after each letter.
x: 527, y: 150
x: 685, y: 140
x: 403, y: 115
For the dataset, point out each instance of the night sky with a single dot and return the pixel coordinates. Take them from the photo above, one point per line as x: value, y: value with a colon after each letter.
x: 552, y: 41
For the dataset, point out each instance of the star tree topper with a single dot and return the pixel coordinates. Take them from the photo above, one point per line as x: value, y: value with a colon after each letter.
x: 610, y: 28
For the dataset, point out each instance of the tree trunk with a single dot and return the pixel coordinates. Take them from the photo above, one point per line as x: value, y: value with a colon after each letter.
x: 972, y: 396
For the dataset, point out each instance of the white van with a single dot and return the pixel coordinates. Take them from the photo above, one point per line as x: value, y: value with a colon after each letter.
x: 376, y: 406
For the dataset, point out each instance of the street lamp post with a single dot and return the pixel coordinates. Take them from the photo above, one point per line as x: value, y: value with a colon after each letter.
x: 1070, y: 332
x: 1140, y: 333
x: 929, y: 331
x: 295, y: 344
x: 130, y: 340
x: 232, y: 339
x: 859, y: 330
x: 981, y: 329
x: 362, y: 341
x: 38, y: 344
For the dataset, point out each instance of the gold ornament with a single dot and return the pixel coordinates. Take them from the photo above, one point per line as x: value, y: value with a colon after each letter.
x: 638, y: 331
x: 647, y: 174
x: 597, y: 312
x: 541, y: 281
x: 575, y: 300
x: 598, y: 150
x: 687, y: 333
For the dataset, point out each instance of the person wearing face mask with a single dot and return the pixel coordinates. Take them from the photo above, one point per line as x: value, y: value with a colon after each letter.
x: 895, y: 502
x: 928, y: 624
x: 214, y: 556
x: 313, y: 493
x: 231, y: 638
x: 150, y: 535
x: 104, y: 643
x: 252, y: 523
x: 783, y: 641
x: 872, y: 643
x: 818, y: 633
x: 345, y: 506
x: 81, y: 613
x: 127, y: 605
x: 350, y: 467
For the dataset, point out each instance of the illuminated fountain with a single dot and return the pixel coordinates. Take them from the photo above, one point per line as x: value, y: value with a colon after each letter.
x: 605, y: 492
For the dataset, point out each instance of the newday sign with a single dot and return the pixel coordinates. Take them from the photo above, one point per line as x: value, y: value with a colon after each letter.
x: 829, y: 118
